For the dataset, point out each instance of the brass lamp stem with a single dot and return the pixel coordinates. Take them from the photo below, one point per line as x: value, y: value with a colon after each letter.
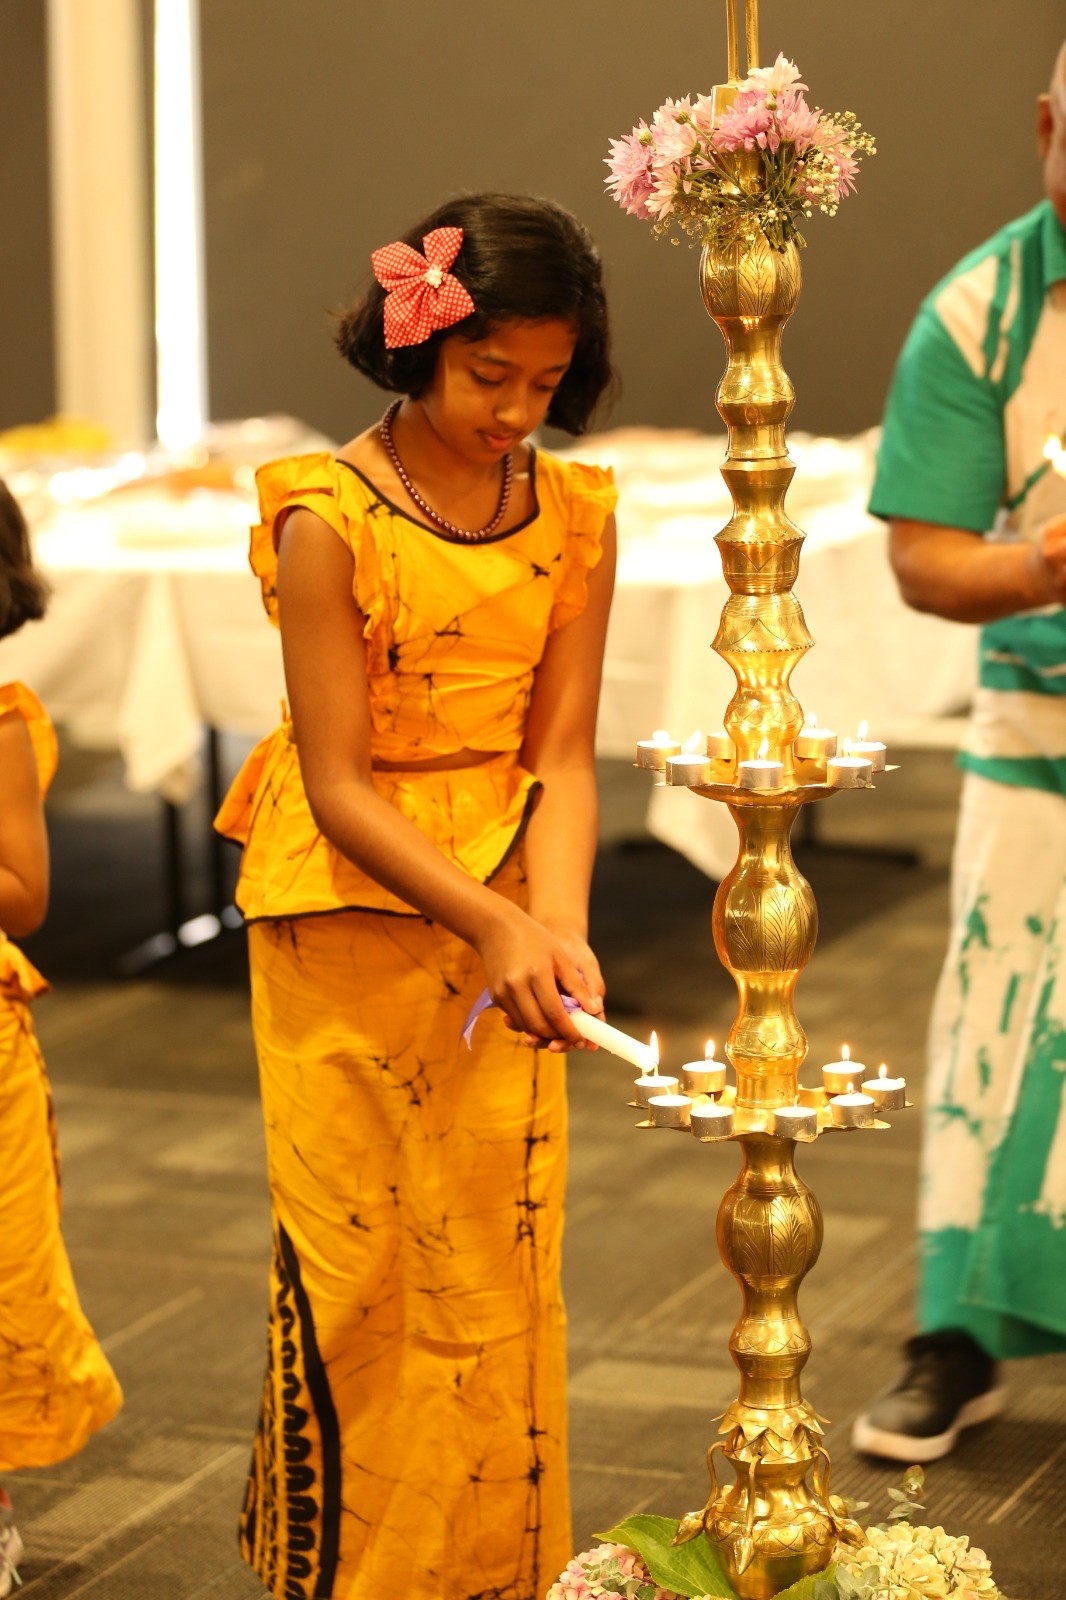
x: 732, y: 44
x: 751, y: 21
x: 775, y: 1523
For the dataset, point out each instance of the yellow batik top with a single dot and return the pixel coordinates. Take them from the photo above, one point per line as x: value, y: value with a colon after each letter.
x: 454, y: 632
x: 19, y: 979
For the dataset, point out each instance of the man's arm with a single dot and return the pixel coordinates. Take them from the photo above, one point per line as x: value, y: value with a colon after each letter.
x: 956, y: 574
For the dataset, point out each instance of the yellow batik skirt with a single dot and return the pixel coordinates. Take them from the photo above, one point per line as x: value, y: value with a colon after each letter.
x: 56, y: 1387
x: 412, y: 1436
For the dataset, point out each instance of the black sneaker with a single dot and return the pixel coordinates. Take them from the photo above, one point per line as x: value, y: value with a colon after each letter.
x: 949, y: 1383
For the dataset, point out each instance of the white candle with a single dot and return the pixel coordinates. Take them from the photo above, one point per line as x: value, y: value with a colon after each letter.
x: 792, y: 1121
x: 888, y: 1094
x: 596, y: 1031
x: 652, y: 753
x: 670, y: 1110
x: 687, y: 769
x: 720, y: 746
x: 708, y: 1120
x: 851, y: 1110
x: 815, y: 743
x: 761, y: 773
x: 653, y: 1083
x: 706, y: 1076
x: 840, y: 1077
x: 872, y: 749
x: 848, y: 772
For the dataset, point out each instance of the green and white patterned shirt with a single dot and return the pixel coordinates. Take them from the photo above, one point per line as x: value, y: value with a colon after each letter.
x: 979, y: 388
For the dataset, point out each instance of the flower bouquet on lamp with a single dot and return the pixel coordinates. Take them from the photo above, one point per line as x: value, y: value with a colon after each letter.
x: 894, y: 1561
x: 768, y: 160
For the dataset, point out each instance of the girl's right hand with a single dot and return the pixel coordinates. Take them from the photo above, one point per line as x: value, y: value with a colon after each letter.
x: 526, y: 967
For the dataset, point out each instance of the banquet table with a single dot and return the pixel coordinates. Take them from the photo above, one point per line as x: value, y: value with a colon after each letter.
x: 156, y: 629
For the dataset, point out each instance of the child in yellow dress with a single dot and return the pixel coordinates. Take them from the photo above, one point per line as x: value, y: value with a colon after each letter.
x: 56, y: 1387
x: 423, y: 826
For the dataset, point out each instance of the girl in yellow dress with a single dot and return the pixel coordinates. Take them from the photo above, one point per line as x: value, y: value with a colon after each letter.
x: 423, y: 826
x: 56, y: 1387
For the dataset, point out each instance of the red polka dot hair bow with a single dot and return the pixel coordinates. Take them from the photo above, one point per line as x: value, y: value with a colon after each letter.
x: 423, y: 295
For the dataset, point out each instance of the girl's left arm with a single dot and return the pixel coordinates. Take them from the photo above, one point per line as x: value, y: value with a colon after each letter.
x: 559, y: 747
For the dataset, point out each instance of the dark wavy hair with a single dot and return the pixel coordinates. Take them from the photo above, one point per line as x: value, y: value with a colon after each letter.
x: 521, y: 258
x: 23, y: 592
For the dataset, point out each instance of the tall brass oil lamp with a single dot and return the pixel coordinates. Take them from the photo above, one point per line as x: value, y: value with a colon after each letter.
x: 775, y: 1522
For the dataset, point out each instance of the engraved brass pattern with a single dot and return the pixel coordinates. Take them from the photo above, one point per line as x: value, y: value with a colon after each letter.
x: 777, y: 1521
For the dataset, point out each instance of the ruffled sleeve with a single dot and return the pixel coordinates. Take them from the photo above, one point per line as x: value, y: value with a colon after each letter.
x: 307, y: 481
x: 15, y: 697
x: 592, y: 499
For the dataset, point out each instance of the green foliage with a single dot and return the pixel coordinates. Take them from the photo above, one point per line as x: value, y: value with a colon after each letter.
x: 689, y: 1569
x: 906, y: 1500
x: 819, y: 1586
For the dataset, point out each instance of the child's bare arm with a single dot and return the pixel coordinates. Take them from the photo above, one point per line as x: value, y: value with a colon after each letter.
x: 23, y: 839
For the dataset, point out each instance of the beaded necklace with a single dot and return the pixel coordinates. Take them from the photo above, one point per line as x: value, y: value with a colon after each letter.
x: 470, y: 535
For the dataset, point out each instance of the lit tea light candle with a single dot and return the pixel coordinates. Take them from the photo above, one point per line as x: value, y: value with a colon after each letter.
x: 650, y: 1084
x: 652, y: 753
x: 691, y: 766
x: 888, y: 1094
x: 848, y: 772
x: 670, y: 1110
x: 708, y: 1120
x: 706, y: 1076
x: 838, y: 1077
x: 852, y: 1110
x: 596, y: 1031
x: 871, y: 749
x: 720, y: 746
x: 815, y: 743
x: 791, y: 1122
x: 761, y: 773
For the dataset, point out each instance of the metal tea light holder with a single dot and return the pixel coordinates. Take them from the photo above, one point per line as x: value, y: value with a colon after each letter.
x: 776, y: 1522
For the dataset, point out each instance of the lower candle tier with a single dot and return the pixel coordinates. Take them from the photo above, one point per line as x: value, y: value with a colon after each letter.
x: 747, y: 1123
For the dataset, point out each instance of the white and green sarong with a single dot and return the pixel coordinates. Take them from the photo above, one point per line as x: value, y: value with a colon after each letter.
x: 980, y: 387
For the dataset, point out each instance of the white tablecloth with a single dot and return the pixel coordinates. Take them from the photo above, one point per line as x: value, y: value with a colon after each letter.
x: 874, y: 659
x: 156, y: 626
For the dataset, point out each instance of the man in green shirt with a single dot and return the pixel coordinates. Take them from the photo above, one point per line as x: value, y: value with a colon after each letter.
x: 971, y: 478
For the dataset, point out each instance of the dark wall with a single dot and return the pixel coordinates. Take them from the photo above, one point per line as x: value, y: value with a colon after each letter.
x: 330, y: 125
x: 26, y: 378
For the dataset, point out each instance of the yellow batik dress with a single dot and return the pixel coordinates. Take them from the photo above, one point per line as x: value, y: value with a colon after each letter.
x: 412, y: 1436
x: 56, y: 1387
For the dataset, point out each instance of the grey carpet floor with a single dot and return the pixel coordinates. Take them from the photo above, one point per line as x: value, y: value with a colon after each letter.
x: 166, y: 1209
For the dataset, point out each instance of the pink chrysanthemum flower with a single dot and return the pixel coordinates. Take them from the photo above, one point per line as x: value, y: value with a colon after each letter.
x: 777, y: 79
x: 631, y: 178
x: 749, y: 124
x: 797, y: 124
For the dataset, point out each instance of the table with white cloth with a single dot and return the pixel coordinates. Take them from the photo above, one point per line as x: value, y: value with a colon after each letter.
x: 156, y: 628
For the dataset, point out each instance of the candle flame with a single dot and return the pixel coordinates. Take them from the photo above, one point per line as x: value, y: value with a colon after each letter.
x: 692, y: 743
x: 845, y: 1053
x: 708, y: 1050
x: 811, y: 719
x: 851, y: 1088
x: 882, y: 1071
x: 764, y: 749
x: 662, y: 736
x: 653, y: 1046
x: 864, y: 728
